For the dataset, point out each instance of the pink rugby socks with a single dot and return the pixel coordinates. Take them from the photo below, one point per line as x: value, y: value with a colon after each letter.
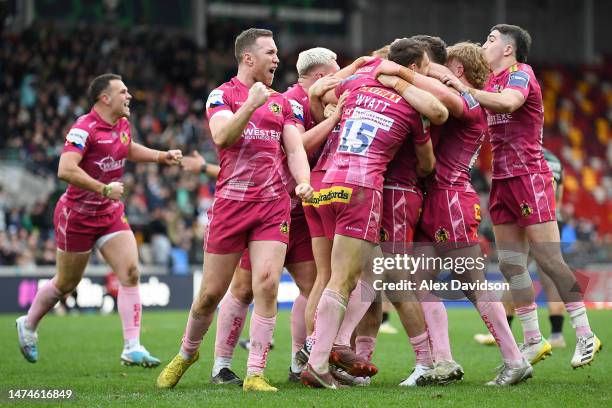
x: 528, y: 316
x: 197, y: 326
x: 437, y: 326
x: 494, y: 317
x: 359, y: 302
x: 260, y: 333
x: 328, y: 318
x: 230, y: 322
x: 130, y: 310
x: 364, y: 346
x: 298, y: 324
x: 45, y: 299
x: 422, y: 351
x: 579, y: 318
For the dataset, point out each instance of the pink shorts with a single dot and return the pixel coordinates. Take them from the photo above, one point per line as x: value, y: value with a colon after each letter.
x: 299, y: 248
x: 523, y: 200
x: 233, y: 223
x: 319, y: 215
x: 400, y: 215
x: 450, y: 217
x: 77, y: 232
x: 357, y: 210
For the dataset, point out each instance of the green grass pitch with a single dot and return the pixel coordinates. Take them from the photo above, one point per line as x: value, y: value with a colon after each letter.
x: 82, y: 353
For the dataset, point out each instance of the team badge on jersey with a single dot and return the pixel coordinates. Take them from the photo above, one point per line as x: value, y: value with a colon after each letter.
x: 124, y: 138
x: 477, y: 216
x: 275, y: 108
x: 384, y: 235
x: 442, y: 235
x: 526, y: 209
x: 284, y: 227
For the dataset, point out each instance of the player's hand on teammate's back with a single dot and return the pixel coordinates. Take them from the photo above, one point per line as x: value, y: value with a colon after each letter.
x: 258, y: 95
x: 322, y: 85
x: 116, y: 190
x: 388, y: 80
x: 387, y: 67
x: 304, y: 191
x: 193, y: 163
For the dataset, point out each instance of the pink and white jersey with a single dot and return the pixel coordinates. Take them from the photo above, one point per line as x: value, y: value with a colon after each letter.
x: 516, y: 138
x: 375, y: 122
x: 251, y: 167
x: 458, y: 147
x: 104, y: 149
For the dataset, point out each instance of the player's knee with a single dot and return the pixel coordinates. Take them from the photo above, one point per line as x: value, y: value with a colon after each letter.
x: 66, y: 285
x: 207, y: 303
x: 512, y: 262
x: 268, y: 286
x: 243, y: 293
x: 130, y: 276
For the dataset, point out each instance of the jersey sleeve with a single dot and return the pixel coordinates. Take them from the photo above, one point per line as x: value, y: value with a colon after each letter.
x: 77, y: 140
x: 298, y: 112
x: 217, y: 101
x: 520, y: 80
x: 419, y: 126
x: 344, y: 85
x: 471, y: 108
x: 289, y: 114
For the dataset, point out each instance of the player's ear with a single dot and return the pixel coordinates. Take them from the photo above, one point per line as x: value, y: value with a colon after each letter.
x: 508, y: 49
x: 247, y: 58
x: 460, y: 70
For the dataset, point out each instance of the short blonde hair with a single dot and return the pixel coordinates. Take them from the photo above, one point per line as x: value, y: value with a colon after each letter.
x: 313, y: 57
x: 382, y: 52
x: 475, y: 67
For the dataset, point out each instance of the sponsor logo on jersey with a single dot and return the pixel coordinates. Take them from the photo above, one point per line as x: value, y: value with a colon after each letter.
x: 77, y: 138
x: 275, y: 108
x: 298, y: 109
x: 284, y: 227
x: 519, y: 79
x: 382, y: 92
x: 526, y: 209
x: 215, y: 99
x: 110, y: 164
x: 335, y: 194
x: 252, y: 132
x: 442, y: 235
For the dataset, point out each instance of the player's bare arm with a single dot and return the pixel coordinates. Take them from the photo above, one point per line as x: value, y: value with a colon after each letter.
x: 422, y: 101
x: 506, y: 101
x: 226, y: 127
x: 297, y: 160
x: 426, y: 160
x: 142, y: 154
x: 196, y: 163
x: 315, y: 137
x: 70, y: 172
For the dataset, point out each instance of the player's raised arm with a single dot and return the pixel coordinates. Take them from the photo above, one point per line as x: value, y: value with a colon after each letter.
x: 226, y: 127
x: 70, y: 172
x: 142, y: 154
x: 298, y: 161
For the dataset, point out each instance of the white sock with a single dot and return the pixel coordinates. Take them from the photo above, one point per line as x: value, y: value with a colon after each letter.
x: 131, y: 344
x: 185, y: 355
x: 221, y: 362
x: 296, y: 366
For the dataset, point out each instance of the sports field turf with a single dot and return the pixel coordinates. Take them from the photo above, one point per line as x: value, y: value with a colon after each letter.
x: 82, y: 353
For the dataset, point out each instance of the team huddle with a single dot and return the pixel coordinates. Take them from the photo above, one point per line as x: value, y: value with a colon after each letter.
x: 348, y: 165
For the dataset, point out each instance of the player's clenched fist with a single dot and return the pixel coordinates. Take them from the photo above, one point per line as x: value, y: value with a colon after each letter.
x: 113, y: 190
x: 258, y: 95
x: 171, y: 157
x: 304, y: 191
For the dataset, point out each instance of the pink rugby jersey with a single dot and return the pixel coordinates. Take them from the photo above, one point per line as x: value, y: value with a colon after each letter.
x: 458, y: 147
x: 251, y: 167
x: 104, y: 149
x: 375, y: 122
x: 516, y: 138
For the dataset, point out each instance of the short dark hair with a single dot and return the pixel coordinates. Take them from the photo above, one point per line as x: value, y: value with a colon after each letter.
x: 406, y: 51
x: 99, y: 85
x: 520, y: 37
x: 436, y: 48
x: 247, y: 38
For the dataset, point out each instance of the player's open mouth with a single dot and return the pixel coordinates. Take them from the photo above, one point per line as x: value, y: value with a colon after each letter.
x: 272, y: 70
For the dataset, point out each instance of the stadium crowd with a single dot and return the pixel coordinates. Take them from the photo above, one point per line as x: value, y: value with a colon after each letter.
x: 45, y: 69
